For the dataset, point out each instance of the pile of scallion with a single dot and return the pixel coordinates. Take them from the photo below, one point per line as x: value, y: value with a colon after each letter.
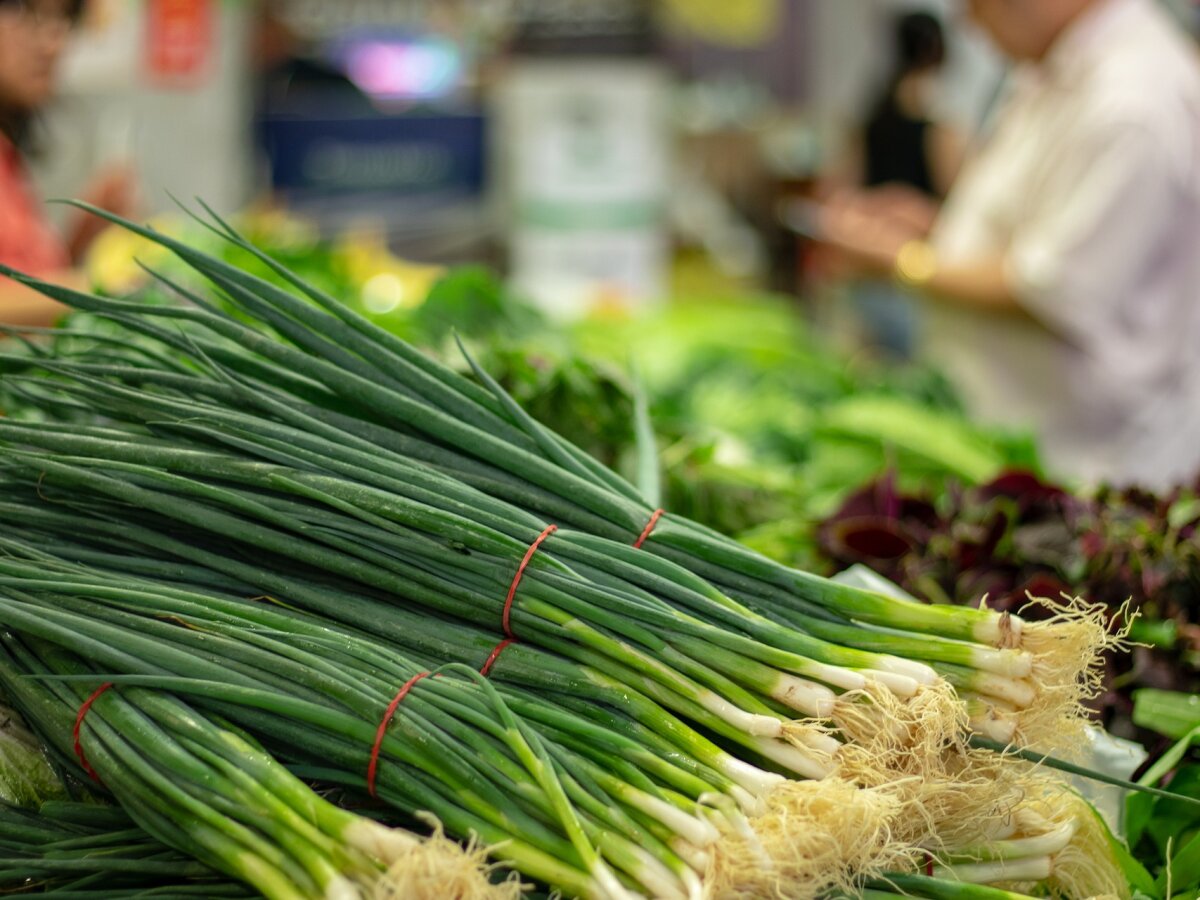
x: 288, y: 538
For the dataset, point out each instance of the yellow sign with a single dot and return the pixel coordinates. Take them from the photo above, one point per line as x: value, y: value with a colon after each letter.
x: 742, y: 23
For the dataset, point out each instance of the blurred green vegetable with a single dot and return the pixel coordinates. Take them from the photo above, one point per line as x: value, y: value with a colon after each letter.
x: 1171, y: 713
x: 1163, y: 832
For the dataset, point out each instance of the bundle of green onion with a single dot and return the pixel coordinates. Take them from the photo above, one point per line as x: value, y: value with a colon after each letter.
x: 650, y: 672
x: 544, y: 786
x: 298, y: 681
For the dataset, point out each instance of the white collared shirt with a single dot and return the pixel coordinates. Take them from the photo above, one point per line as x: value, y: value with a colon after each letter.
x: 1089, y: 185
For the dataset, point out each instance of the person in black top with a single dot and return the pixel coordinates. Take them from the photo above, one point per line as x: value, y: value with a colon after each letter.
x: 907, y: 156
x: 902, y: 141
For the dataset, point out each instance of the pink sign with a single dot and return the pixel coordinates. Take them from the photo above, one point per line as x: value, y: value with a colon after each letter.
x: 179, y: 40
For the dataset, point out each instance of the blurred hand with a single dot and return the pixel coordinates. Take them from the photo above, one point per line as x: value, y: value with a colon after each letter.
x: 113, y: 188
x: 866, y: 229
x: 906, y: 205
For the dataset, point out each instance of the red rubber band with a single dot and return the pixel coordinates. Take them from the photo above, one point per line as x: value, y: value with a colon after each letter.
x: 512, y: 588
x: 928, y: 863
x: 83, y: 711
x: 657, y: 514
x: 495, y: 654
x: 387, y: 720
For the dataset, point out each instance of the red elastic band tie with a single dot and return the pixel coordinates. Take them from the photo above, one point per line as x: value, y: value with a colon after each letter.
x: 83, y: 711
x: 928, y: 863
x: 495, y: 654
x: 655, y: 516
x: 512, y: 588
x: 387, y: 720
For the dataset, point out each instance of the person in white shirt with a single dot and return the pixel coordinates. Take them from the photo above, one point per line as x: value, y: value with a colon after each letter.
x: 1063, y: 270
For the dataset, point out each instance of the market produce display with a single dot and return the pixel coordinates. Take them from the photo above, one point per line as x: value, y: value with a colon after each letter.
x: 752, y: 372
x: 263, y: 532
x: 762, y: 427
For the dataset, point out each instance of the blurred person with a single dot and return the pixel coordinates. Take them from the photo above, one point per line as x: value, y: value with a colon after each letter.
x: 33, y: 36
x: 1062, y: 273
x: 294, y: 80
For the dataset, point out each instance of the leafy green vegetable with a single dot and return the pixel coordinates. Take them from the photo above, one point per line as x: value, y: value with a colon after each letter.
x: 470, y: 301
x: 939, y: 440
x: 26, y: 778
x: 1171, y: 713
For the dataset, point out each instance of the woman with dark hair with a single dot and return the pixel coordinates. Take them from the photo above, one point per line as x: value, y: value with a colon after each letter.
x: 903, y: 143
x: 33, y: 35
x: 907, y: 157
